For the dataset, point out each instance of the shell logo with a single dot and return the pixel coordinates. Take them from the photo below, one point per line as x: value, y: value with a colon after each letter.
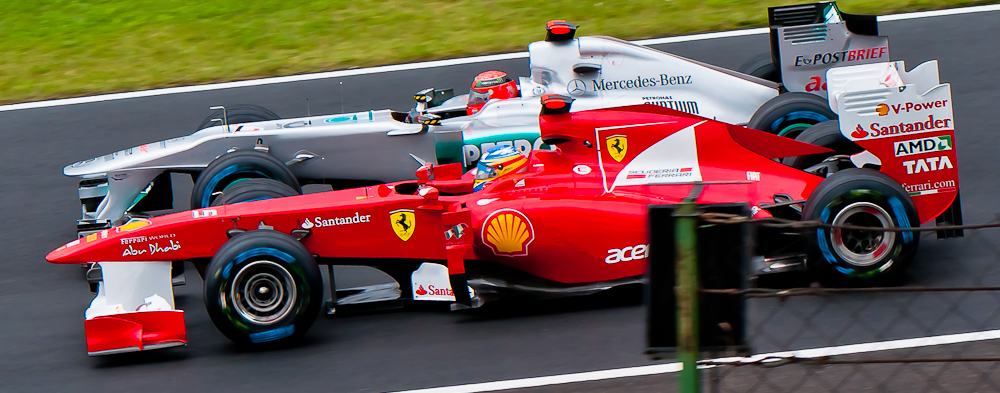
x: 133, y: 224
x: 508, y: 233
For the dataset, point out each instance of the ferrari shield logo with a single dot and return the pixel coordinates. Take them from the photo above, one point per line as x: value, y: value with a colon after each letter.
x: 403, y: 222
x: 617, y: 146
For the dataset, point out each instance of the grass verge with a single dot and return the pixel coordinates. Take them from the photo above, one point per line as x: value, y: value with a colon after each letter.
x: 66, y: 48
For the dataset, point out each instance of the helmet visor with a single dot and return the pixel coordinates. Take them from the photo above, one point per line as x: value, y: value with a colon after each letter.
x: 477, y: 97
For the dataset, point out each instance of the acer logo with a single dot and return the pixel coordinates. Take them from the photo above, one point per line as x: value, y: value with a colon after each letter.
x: 815, y: 84
x: 929, y: 164
x: 626, y: 254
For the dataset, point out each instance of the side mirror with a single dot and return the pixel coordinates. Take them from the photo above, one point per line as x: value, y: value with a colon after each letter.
x: 424, y: 173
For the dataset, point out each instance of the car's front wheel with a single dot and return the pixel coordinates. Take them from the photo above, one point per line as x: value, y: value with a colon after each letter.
x: 263, y: 286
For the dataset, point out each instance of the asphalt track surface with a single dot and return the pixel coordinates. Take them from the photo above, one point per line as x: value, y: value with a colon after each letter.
x: 42, y: 340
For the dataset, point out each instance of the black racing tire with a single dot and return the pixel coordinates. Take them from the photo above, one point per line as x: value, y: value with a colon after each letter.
x: 254, y: 190
x: 237, y: 166
x: 826, y: 134
x: 789, y: 114
x: 239, y: 113
x: 263, y: 287
x: 762, y: 67
x: 864, y: 197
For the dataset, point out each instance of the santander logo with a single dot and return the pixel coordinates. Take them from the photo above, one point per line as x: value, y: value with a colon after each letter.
x: 420, y: 290
x: 859, y: 133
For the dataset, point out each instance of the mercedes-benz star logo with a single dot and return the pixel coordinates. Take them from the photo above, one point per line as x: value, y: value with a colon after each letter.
x: 576, y: 87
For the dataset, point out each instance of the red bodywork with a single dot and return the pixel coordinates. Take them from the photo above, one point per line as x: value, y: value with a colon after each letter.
x: 577, y: 216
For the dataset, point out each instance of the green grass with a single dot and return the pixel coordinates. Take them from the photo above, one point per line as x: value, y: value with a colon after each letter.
x: 65, y: 48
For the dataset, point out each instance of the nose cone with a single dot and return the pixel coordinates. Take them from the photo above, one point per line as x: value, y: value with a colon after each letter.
x: 67, y: 253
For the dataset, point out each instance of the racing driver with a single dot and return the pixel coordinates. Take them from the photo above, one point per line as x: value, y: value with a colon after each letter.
x: 490, y: 85
x: 496, y: 163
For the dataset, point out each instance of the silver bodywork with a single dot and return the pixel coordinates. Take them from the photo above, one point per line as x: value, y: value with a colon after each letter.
x: 806, y: 51
x: 377, y: 146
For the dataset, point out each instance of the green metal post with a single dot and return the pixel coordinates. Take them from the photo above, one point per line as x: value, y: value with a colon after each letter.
x: 687, y: 294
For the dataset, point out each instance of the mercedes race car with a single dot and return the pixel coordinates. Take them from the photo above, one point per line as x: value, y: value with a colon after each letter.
x: 573, y: 222
x: 598, y: 72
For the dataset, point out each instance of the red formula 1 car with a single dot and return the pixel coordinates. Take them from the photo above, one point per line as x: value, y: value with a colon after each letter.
x: 574, y: 223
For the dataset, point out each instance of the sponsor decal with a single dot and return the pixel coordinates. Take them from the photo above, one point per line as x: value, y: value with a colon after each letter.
x: 144, y: 148
x: 928, y: 188
x: 153, y: 249
x: 617, y: 146
x: 907, y: 107
x: 640, y: 82
x: 320, y: 222
x: 523, y: 146
x: 431, y: 282
x: 143, y: 239
x: 204, y: 213
x: 876, y: 129
x: 576, y: 87
x: 508, y: 233
x: 928, y: 164
x: 341, y: 119
x: 626, y: 254
x: 842, y: 56
x: 753, y: 176
x: 660, y: 173
x: 487, y: 201
x: 815, y: 84
x: 683, y: 106
x: 582, y: 170
x: 403, y: 222
x: 922, y: 145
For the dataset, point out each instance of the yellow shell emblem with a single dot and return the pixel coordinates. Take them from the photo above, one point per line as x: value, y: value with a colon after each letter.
x: 508, y: 233
x: 617, y: 146
x: 403, y: 223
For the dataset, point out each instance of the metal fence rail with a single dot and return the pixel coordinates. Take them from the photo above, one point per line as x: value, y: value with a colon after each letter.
x: 906, y: 338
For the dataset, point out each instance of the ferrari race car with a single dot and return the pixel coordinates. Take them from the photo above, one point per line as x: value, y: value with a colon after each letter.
x: 574, y: 222
x: 598, y: 72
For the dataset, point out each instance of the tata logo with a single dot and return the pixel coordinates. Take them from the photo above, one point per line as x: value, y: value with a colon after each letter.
x: 403, y: 222
x: 626, y: 254
x: 929, y: 164
x: 508, y: 233
x: 922, y: 145
x: 617, y: 146
x: 576, y: 87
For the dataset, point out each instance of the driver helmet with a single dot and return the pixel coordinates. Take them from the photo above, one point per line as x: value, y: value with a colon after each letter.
x: 497, y: 162
x: 490, y: 85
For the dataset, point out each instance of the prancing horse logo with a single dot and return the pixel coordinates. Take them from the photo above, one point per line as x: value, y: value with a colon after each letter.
x: 617, y: 146
x: 403, y: 222
x: 576, y: 87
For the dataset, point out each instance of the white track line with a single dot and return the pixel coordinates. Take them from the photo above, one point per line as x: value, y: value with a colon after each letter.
x: 436, y: 63
x: 675, y: 367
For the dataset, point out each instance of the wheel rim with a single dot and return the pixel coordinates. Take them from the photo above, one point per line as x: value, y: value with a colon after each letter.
x: 263, y: 292
x: 793, y: 130
x: 861, y: 247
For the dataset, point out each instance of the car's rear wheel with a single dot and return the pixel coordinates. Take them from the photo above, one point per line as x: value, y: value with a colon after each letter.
x: 240, y: 113
x: 249, y: 190
x: 762, y: 67
x: 860, y: 197
x: 238, y: 166
x: 790, y: 114
x: 826, y: 134
x: 263, y: 286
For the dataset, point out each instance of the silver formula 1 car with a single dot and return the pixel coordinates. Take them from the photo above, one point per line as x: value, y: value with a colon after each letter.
x: 250, y: 142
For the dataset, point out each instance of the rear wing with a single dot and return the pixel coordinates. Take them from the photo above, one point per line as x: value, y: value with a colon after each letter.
x: 808, y: 39
x: 905, y: 120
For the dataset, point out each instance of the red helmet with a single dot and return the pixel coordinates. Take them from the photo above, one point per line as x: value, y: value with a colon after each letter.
x: 490, y: 85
